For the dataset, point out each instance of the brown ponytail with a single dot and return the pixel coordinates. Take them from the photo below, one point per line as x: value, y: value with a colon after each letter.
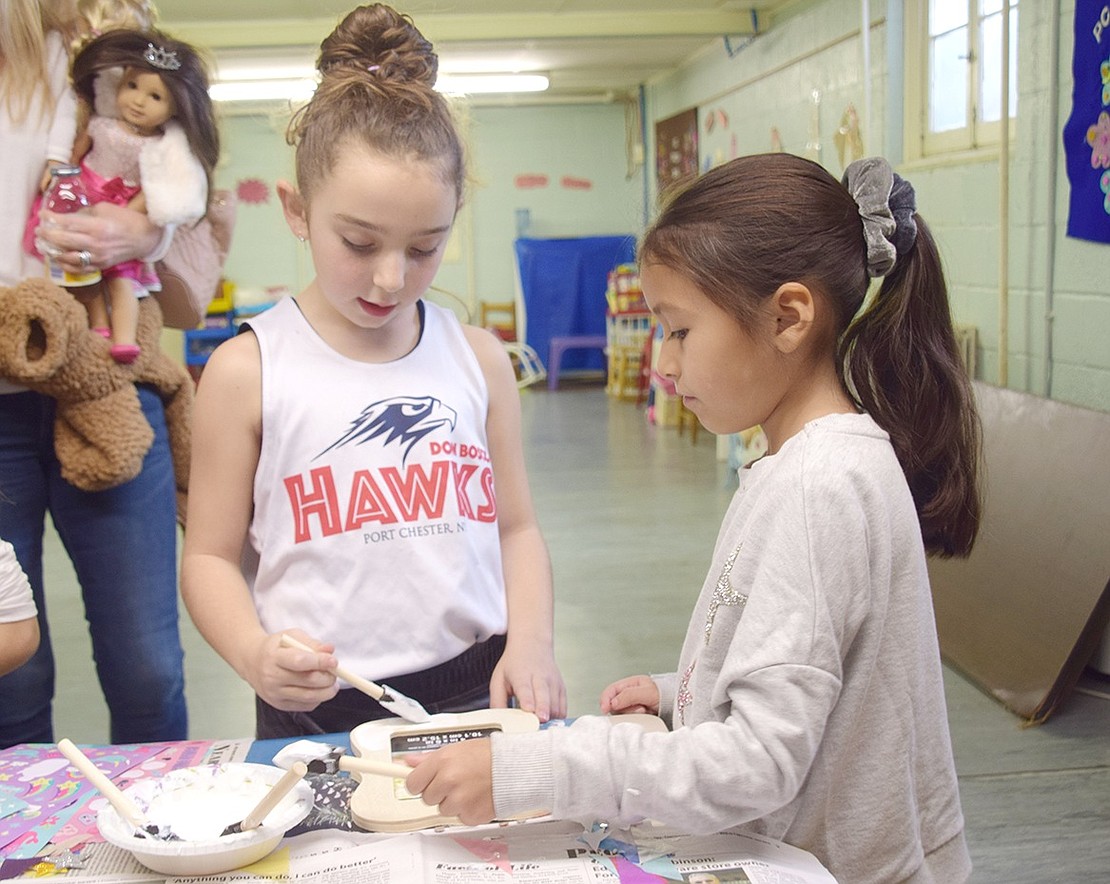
x: 743, y: 229
x: 902, y: 364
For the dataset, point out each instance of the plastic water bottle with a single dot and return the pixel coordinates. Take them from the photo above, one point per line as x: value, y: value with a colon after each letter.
x: 66, y: 194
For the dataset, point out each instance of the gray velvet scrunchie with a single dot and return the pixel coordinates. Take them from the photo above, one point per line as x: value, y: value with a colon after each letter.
x: 886, y: 204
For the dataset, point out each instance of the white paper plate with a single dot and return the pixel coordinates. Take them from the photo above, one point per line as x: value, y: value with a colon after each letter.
x: 197, y: 803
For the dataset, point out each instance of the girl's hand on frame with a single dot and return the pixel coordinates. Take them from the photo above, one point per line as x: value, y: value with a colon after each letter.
x: 458, y: 779
x: 529, y: 674
x: 635, y: 694
x: 291, y: 679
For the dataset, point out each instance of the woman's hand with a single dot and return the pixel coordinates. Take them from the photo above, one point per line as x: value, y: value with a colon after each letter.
x: 635, y: 694
x: 458, y: 778
x: 107, y: 235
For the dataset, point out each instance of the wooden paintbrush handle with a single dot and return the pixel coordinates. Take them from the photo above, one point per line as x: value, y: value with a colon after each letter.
x: 278, y: 791
x: 370, y: 688
x: 370, y: 766
x: 126, y: 807
x: 373, y: 690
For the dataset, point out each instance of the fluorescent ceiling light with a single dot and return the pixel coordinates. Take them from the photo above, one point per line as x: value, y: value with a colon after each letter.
x: 484, y: 64
x: 259, y: 87
x: 263, y: 90
x: 470, y: 84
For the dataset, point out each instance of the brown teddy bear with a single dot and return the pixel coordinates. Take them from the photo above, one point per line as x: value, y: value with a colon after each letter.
x: 100, y: 433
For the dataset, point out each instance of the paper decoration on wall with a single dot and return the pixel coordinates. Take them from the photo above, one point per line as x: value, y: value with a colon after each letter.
x: 1087, y: 131
x: 252, y: 191
x: 572, y: 183
x: 776, y: 140
x: 529, y: 182
x: 848, y: 140
x: 712, y: 160
x: 1098, y: 137
x: 716, y: 119
x: 813, y: 144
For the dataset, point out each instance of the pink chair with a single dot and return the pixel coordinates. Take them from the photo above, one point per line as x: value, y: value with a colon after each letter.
x: 560, y: 345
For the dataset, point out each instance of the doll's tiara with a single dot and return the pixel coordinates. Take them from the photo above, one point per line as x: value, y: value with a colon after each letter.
x: 161, y: 58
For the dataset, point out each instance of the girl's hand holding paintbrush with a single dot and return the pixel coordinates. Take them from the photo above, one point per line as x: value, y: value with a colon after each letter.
x: 293, y: 679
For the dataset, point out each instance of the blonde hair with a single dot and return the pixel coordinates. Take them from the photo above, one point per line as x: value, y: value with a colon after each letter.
x: 108, y: 15
x: 24, y: 65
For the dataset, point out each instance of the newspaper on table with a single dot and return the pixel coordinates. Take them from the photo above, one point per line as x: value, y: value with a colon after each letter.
x: 545, y: 852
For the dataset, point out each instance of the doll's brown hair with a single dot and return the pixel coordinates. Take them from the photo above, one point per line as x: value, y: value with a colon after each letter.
x: 188, y: 83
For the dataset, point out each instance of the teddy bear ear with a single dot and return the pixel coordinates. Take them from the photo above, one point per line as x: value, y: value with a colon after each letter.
x: 105, y: 86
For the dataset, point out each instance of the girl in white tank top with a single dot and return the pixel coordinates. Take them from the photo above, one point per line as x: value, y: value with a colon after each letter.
x: 359, y: 479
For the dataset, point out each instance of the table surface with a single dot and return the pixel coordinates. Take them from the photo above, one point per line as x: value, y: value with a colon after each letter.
x: 48, y: 819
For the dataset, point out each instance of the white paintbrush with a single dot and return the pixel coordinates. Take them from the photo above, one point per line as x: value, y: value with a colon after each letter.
x: 123, y: 805
x: 394, y: 701
x: 269, y: 801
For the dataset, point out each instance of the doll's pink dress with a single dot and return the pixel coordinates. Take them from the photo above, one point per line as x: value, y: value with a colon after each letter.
x: 110, y: 171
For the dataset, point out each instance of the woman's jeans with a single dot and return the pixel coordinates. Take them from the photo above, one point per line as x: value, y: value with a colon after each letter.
x: 122, y: 543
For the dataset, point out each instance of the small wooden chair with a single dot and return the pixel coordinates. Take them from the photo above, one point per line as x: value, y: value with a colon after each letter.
x: 499, y: 317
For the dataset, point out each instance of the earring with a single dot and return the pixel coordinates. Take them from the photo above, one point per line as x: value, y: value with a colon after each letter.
x: 301, y: 238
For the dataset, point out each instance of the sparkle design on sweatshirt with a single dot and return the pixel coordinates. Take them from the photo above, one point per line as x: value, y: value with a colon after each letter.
x: 683, y: 698
x: 723, y: 593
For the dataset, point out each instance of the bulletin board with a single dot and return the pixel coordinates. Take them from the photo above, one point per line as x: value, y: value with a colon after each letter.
x: 676, y: 149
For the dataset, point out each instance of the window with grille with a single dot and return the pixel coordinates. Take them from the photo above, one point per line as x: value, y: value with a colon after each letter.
x: 954, y: 74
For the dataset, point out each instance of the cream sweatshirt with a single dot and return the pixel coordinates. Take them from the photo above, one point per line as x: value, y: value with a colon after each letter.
x: 808, y: 703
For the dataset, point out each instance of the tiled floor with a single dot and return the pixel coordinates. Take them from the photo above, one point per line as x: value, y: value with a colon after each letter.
x: 630, y: 512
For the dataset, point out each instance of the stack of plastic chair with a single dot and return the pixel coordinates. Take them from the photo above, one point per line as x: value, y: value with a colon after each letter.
x: 526, y: 362
x: 500, y: 318
x: 627, y: 335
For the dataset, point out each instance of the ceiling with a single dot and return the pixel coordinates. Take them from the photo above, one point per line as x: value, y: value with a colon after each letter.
x: 592, y: 50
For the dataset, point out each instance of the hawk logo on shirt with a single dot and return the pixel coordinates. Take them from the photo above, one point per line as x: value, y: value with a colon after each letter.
x: 403, y: 419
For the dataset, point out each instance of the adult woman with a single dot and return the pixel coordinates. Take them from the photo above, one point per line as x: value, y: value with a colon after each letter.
x: 122, y: 541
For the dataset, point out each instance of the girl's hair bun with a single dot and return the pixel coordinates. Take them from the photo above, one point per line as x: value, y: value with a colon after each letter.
x: 377, y: 41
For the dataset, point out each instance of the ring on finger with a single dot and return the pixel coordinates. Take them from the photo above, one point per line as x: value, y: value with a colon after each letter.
x: 85, y: 257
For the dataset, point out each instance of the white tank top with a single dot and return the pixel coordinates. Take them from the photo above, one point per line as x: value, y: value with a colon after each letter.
x: 375, y: 518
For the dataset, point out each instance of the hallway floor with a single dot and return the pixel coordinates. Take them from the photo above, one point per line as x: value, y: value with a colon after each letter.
x: 630, y: 512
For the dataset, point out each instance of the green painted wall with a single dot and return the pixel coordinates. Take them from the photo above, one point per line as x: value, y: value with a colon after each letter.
x: 576, y: 151
x: 772, y: 82
x: 797, y: 79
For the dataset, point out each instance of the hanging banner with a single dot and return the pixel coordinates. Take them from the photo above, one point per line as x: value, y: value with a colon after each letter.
x: 1087, y: 132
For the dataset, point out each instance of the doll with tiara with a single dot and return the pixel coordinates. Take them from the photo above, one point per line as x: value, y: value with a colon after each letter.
x: 151, y: 144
